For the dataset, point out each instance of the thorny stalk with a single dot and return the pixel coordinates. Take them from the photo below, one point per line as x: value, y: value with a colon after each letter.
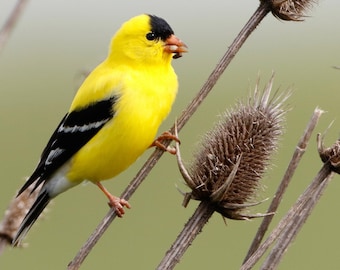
x: 191, y: 229
x: 11, y: 22
x: 293, y: 227
x: 311, y: 192
x: 290, y: 225
x: 298, y: 153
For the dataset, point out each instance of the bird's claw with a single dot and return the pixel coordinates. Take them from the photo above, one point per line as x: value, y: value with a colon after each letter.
x: 118, y: 204
x: 166, y: 136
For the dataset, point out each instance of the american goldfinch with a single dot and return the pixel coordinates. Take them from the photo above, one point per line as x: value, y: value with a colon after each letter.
x: 114, y: 116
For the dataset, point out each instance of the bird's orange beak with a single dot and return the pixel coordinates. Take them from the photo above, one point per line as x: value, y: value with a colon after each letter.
x: 174, y: 45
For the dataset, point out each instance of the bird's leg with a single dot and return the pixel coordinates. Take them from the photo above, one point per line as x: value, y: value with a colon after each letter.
x: 115, y: 202
x: 165, y: 136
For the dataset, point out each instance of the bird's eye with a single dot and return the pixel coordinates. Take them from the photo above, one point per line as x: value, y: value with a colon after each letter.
x: 150, y: 36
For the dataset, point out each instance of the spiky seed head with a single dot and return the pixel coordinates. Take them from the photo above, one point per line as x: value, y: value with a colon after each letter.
x: 290, y: 10
x: 234, y: 155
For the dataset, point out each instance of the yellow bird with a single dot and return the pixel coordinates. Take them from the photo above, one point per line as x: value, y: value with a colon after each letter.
x: 114, y: 116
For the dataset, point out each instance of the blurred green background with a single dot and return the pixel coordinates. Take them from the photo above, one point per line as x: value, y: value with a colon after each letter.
x: 42, y: 65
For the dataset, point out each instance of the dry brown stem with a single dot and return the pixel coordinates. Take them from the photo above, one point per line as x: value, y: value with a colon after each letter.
x: 289, y: 226
x: 295, y: 224
x: 298, y: 153
x: 11, y: 22
x: 191, y: 229
x: 307, y: 199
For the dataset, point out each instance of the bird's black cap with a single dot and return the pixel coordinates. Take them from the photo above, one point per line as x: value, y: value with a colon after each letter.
x: 160, y: 27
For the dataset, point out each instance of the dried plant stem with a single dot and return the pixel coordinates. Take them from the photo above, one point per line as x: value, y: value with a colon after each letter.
x: 11, y: 21
x: 250, y: 26
x: 299, y: 151
x: 191, y: 229
x: 3, y: 245
x: 305, y: 200
x: 294, y: 226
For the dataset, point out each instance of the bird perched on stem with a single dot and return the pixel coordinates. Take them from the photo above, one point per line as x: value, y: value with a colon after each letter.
x: 114, y: 116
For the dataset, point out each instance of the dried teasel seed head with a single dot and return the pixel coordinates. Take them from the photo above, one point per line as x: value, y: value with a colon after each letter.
x: 290, y: 10
x: 226, y: 170
x: 16, y: 212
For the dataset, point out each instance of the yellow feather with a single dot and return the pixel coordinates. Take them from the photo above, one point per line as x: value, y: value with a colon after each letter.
x: 146, y: 84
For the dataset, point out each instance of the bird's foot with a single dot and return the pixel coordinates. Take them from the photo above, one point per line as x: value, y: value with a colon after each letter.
x: 118, y: 204
x: 115, y: 203
x: 165, y: 136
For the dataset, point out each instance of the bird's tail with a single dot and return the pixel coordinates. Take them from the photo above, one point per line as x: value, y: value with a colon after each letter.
x: 38, y: 206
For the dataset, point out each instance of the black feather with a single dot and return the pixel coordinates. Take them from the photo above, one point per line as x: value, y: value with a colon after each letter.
x: 73, y: 132
x: 160, y: 27
x: 38, y: 206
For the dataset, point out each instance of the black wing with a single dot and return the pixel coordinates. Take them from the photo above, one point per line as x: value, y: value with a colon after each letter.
x: 73, y: 132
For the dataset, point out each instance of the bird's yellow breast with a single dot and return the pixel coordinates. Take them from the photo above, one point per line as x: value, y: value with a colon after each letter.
x: 145, y: 99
